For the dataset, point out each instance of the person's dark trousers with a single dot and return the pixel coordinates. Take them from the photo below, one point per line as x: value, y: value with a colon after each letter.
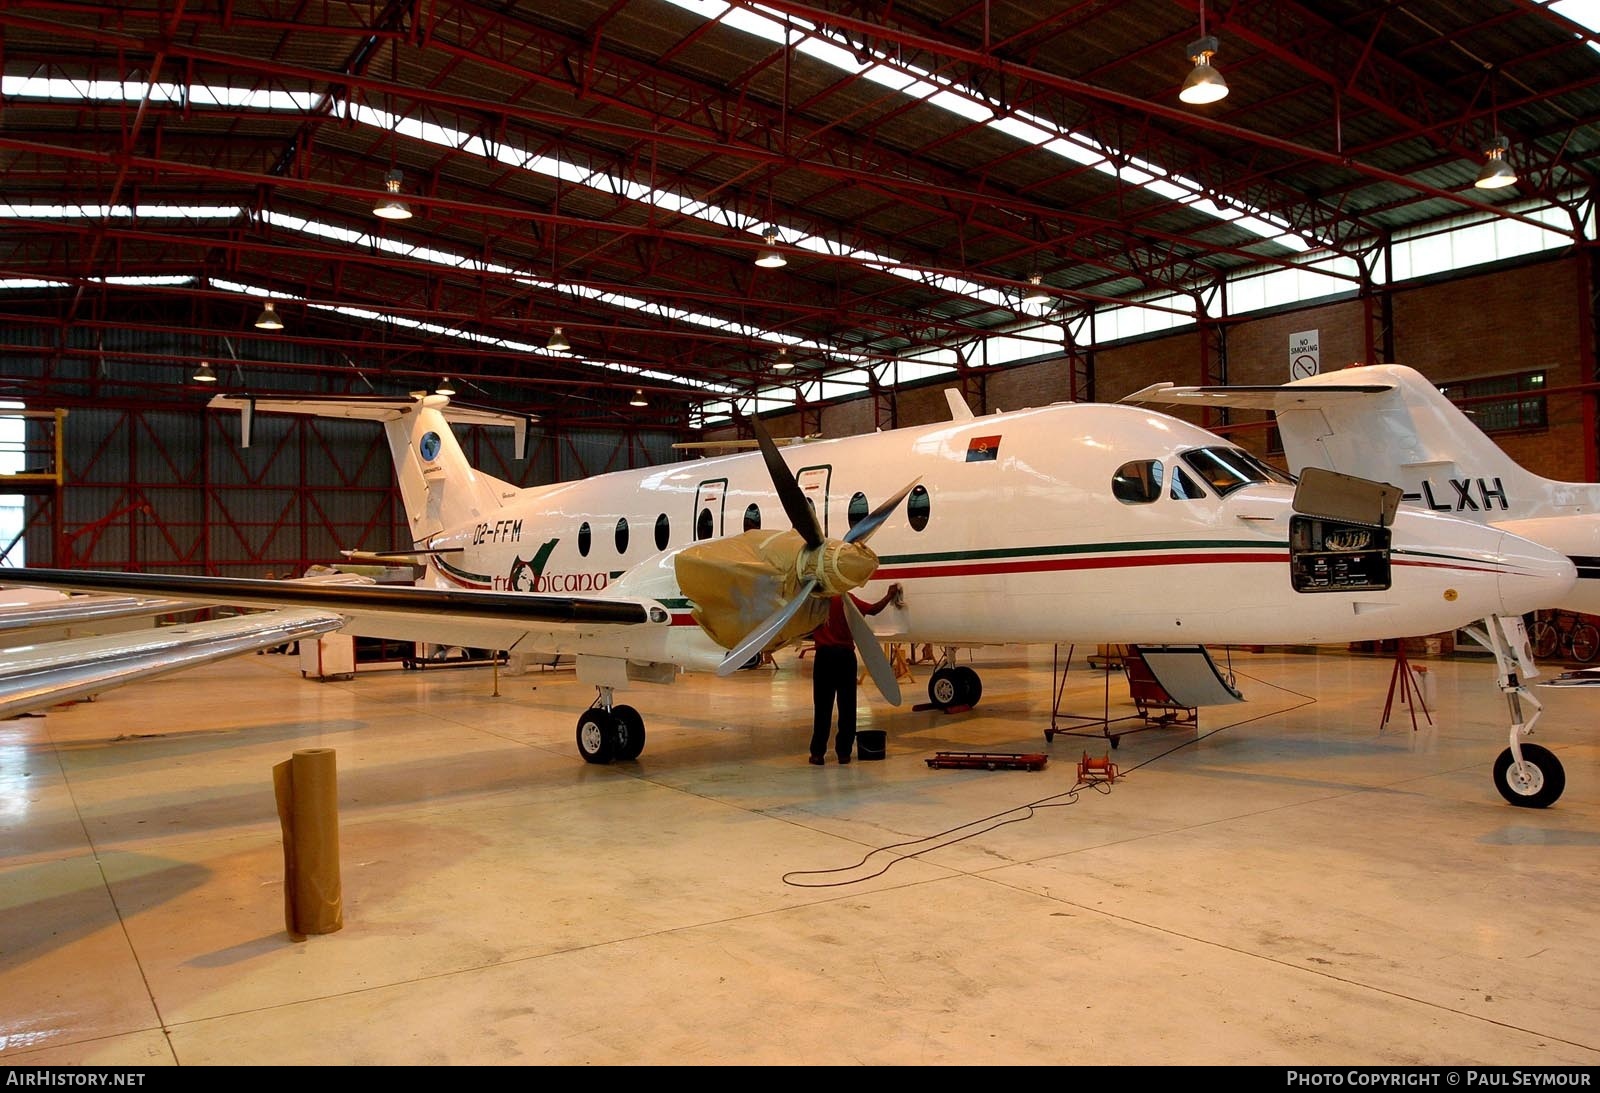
x: 833, y: 681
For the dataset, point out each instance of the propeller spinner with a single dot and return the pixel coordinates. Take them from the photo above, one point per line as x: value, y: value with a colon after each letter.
x: 802, y: 568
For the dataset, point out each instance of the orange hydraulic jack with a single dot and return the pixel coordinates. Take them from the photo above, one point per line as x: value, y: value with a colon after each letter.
x: 1096, y: 770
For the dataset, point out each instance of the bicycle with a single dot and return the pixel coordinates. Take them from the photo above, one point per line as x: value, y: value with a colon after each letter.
x: 1566, y: 633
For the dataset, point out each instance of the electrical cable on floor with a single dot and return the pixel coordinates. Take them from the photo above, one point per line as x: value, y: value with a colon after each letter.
x: 1027, y: 811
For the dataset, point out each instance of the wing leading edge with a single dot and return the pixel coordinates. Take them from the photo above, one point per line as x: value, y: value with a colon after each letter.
x: 35, y: 676
x: 496, y: 620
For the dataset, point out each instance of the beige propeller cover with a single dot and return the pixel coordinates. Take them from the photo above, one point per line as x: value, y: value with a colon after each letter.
x: 734, y: 584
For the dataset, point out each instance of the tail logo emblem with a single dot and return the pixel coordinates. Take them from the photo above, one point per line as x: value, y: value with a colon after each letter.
x: 429, y: 447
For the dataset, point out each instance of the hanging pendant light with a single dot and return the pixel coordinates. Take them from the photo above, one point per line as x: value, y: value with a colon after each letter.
x: 268, y: 319
x: 390, y: 207
x: 770, y: 257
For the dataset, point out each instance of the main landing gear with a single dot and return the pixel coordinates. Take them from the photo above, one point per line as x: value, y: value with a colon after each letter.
x: 1527, y: 775
x: 607, y: 732
x: 953, y: 685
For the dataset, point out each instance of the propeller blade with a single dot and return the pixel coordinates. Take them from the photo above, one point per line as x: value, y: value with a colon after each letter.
x: 802, y: 517
x: 872, y: 653
x: 757, y: 639
x: 872, y: 520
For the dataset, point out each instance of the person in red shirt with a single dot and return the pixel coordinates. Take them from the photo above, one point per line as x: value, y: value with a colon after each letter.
x: 833, y: 676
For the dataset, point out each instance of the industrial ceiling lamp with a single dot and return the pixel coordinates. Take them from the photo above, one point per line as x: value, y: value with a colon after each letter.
x: 268, y: 319
x: 1203, y: 84
x: 204, y: 374
x: 769, y: 258
x: 390, y: 207
x: 558, y: 342
x: 1495, y: 172
x: 638, y: 398
x: 1036, y: 296
x: 445, y: 387
x: 783, y: 362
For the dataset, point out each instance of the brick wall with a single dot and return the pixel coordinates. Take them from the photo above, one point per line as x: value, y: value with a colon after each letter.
x: 1510, y: 320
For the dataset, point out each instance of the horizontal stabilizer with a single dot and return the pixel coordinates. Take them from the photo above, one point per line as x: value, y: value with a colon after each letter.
x: 1188, y: 675
x: 38, y: 676
x: 371, y: 408
x: 396, y: 557
x: 1290, y: 397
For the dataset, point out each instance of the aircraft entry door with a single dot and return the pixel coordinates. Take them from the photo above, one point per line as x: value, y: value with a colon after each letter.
x: 709, y: 500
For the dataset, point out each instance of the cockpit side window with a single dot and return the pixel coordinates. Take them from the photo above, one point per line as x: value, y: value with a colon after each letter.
x: 1185, y: 488
x: 1226, y: 469
x: 1137, y: 482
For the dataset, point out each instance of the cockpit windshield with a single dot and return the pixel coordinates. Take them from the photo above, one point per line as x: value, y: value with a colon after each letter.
x: 1226, y: 469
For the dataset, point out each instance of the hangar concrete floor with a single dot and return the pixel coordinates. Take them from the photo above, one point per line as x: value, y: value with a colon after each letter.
x: 1286, y: 884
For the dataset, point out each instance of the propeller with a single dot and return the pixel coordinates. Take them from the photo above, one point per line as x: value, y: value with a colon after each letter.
x: 872, y: 653
x: 824, y: 569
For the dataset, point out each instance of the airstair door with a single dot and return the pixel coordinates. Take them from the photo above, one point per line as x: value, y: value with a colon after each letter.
x: 814, y: 485
x: 710, y: 498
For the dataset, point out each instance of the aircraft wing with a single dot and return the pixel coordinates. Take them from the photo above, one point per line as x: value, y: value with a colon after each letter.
x: 35, y: 676
x: 1269, y: 397
x: 76, y: 610
x: 485, y: 620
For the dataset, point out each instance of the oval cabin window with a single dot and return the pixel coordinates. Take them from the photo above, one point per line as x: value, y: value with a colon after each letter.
x: 622, y: 535
x: 584, y: 539
x: 858, y: 509
x: 752, y: 518
x: 663, y: 531
x: 917, y: 508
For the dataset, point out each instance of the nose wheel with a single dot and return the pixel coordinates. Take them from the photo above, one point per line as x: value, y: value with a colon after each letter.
x: 1536, y: 783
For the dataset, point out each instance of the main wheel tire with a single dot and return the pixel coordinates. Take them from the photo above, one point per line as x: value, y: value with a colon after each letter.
x: 944, y: 689
x: 629, y: 732
x: 1545, y: 639
x: 1585, y: 642
x: 597, y: 736
x: 969, y: 686
x: 1538, y: 785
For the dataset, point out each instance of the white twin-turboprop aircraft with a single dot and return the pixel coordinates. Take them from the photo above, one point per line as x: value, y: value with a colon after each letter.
x: 1070, y: 523
x: 1390, y: 423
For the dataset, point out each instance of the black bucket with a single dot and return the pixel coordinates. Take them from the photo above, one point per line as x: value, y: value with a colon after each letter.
x: 870, y: 744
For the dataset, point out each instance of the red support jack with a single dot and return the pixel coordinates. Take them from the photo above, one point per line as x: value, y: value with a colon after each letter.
x: 1405, y: 678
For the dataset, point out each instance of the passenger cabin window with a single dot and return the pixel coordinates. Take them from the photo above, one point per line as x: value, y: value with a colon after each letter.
x: 752, y: 518
x: 858, y: 509
x: 918, y: 508
x: 704, y: 525
x: 584, y: 538
x: 663, y: 531
x: 1185, y: 488
x: 622, y: 535
x: 1137, y: 482
x: 1226, y: 469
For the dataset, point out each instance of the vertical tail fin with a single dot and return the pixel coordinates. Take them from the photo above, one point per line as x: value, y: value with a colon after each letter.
x: 1411, y: 435
x: 439, y: 488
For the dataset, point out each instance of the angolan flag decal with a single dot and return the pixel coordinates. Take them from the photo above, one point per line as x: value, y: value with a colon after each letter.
x: 981, y: 449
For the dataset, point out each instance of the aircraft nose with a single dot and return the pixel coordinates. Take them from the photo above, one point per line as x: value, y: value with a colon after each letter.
x: 1534, y: 576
